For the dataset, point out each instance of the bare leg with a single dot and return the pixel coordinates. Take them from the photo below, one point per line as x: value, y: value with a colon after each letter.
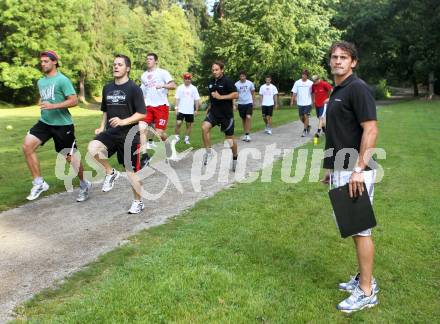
x: 233, y: 144
x: 188, y: 129
x: 269, y: 121
x: 365, y: 256
x: 143, y: 134
x: 77, y: 166
x: 177, y: 130
x: 247, y: 125
x: 99, y: 151
x: 306, y: 121
x: 135, y: 185
x: 30, y: 145
x: 161, y: 132
x: 265, y: 120
x: 206, y: 127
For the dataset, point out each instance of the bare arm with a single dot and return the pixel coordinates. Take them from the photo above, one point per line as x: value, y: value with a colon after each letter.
x: 253, y: 96
x: 71, y: 101
x: 177, y: 105
x: 275, y: 100
x: 197, y: 106
x: 368, y: 142
x: 170, y: 86
x: 292, y: 98
x: 102, y: 125
x: 133, y: 119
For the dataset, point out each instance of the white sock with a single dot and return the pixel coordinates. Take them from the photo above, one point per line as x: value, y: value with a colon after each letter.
x: 38, y: 181
x: 83, y: 184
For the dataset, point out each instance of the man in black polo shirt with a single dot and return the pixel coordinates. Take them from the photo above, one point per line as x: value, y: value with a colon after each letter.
x: 351, y: 135
x: 122, y: 106
x: 222, y: 92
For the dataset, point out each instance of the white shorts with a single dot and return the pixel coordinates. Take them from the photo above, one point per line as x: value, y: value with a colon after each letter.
x: 341, y: 178
x: 325, y: 111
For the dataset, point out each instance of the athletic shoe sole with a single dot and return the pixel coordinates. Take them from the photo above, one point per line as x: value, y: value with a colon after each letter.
x: 348, y: 311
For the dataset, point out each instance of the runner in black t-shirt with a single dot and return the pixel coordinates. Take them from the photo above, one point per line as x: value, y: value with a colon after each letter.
x: 122, y: 107
x: 350, y: 137
x: 222, y: 92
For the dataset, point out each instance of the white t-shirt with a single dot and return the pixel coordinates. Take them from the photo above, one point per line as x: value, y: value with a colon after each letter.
x: 187, y: 96
x: 152, y: 96
x: 268, y: 91
x: 303, y: 92
x: 244, y: 90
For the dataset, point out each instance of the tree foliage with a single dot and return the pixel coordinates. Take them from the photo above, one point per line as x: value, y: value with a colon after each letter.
x: 86, y: 34
x: 279, y: 37
x: 397, y: 39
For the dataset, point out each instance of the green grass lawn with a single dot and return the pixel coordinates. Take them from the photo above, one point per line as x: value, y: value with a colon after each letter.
x: 15, y: 177
x: 270, y: 252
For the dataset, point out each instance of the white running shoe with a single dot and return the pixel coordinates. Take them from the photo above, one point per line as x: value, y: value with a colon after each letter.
x: 109, y: 180
x: 358, y: 301
x: 186, y: 140
x: 83, y: 194
x: 244, y: 138
x: 136, y: 207
x: 248, y: 139
x: 269, y: 131
x: 37, y: 190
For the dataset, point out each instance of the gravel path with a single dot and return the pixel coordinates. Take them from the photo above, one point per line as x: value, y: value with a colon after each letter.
x: 47, y: 240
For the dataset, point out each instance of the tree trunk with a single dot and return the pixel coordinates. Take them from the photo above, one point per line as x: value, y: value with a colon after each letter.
x: 431, y: 85
x: 415, y: 87
x: 82, y: 90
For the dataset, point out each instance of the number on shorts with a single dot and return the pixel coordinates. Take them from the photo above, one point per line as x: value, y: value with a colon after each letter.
x: 162, y: 122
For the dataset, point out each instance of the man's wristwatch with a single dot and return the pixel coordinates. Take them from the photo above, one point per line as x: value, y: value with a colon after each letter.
x: 358, y: 170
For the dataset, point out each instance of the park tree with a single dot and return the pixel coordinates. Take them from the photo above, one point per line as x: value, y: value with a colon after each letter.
x: 397, y: 39
x: 27, y: 28
x: 279, y: 37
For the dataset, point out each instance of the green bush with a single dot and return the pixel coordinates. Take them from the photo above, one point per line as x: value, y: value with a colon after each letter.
x: 381, y: 90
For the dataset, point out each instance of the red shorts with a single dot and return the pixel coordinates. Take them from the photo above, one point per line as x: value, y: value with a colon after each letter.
x: 157, y: 115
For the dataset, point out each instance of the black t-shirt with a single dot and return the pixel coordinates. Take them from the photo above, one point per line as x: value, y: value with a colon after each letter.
x: 123, y: 101
x: 351, y: 103
x: 224, y: 86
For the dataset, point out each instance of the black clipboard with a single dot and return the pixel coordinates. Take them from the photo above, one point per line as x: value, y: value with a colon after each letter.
x: 353, y: 215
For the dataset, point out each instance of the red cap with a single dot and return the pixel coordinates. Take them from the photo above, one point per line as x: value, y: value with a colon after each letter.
x: 187, y: 76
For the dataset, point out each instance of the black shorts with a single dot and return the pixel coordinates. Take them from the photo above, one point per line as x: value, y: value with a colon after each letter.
x: 226, y: 124
x: 304, y: 110
x: 63, y: 136
x: 245, y: 110
x: 114, y: 141
x: 267, y: 110
x: 189, y: 118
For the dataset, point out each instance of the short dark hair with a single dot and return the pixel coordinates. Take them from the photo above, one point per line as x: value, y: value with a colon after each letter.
x: 242, y: 72
x: 153, y: 55
x: 126, y: 59
x: 305, y: 72
x: 221, y: 64
x: 268, y: 76
x: 348, y: 47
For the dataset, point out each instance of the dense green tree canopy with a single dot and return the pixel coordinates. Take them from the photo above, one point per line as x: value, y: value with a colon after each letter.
x: 398, y: 40
x: 271, y: 36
